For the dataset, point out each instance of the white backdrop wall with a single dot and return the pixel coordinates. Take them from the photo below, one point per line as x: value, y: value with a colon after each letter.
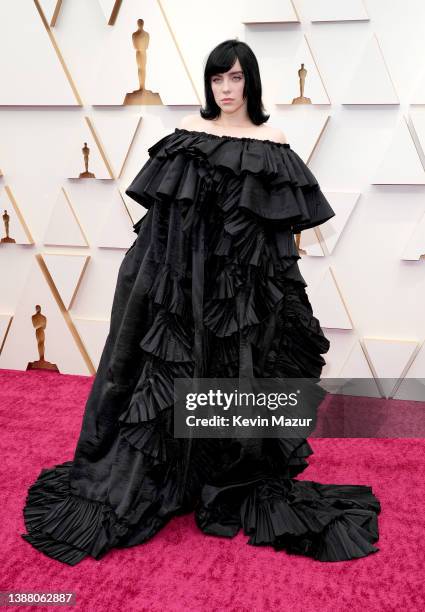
x: 363, y: 136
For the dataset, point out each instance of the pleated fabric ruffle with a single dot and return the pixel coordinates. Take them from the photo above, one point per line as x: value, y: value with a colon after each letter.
x: 276, y: 184
x: 64, y: 526
x: 326, y: 522
x: 211, y: 287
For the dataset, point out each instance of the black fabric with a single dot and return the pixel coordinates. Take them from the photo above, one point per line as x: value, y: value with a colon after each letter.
x: 210, y: 288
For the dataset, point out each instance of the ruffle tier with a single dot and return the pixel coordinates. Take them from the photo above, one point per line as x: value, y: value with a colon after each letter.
x: 64, y: 526
x: 277, y: 185
x: 210, y: 287
x: 324, y: 521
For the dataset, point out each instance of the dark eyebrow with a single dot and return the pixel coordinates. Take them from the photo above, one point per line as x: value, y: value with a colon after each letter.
x: 235, y: 72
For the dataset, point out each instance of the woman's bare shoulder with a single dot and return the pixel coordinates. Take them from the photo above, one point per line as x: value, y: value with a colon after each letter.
x: 263, y: 132
x: 276, y: 134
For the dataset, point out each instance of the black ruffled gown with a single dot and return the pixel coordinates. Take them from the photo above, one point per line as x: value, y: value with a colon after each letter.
x: 210, y: 288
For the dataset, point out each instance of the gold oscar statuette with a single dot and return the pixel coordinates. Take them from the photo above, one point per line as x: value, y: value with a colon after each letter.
x: 6, y: 220
x: 86, y: 153
x: 302, y: 73
x: 140, y: 40
x: 39, y: 323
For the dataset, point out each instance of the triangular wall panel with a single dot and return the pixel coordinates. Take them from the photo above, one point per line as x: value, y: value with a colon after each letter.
x: 167, y: 80
x: 116, y: 231
x: 357, y: 366
x: 64, y: 228
x: 343, y: 203
x: 18, y: 229
x: 98, y: 163
x: 116, y: 133
x: 371, y: 82
x: 329, y: 305
x: 335, y: 10
x: 287, y: 69
x: 93, y: 333
x: 401, y: 164
x: 66, y: 272
x: 31, y: 71
x: 63, y: 346
x: 415, y: 247
x: 269, y: 11
x: 389, y: 360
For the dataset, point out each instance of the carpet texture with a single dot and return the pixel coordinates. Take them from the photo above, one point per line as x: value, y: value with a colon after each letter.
x: 183, y: 569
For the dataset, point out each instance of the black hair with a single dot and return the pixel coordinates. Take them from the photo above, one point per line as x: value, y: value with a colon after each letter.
x: 220, y: 60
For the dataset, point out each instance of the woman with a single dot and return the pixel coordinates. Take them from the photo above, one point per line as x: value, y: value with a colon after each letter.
x: 210, y: 288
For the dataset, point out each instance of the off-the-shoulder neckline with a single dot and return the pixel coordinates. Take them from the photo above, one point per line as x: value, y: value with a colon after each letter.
x: 236, y: 138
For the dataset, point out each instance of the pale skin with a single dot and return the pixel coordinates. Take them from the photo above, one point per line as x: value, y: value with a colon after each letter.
x: 234, y: 119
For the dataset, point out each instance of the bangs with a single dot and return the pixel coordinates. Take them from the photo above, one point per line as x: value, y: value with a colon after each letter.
x: 221, y: 61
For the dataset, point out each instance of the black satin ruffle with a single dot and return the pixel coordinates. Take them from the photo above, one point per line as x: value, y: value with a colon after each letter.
x: 276, y: 184
x: 210, y: 287
x: 326, y: 522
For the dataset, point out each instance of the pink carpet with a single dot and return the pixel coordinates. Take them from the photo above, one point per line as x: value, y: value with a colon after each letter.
x: 183, y: 569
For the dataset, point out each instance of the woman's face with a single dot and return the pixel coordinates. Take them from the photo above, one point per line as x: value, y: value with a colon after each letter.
x: 229, y: 85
